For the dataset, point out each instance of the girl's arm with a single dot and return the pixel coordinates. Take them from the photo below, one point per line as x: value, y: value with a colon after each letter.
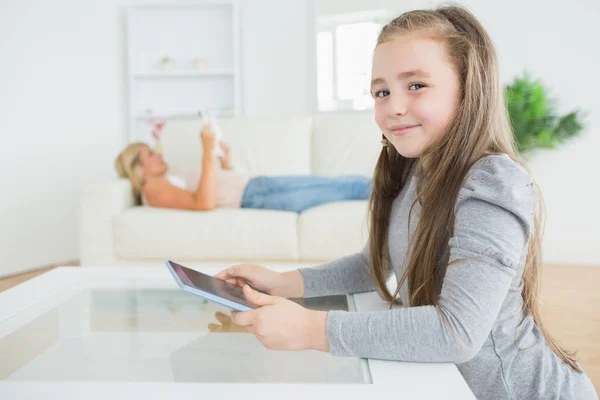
x: 348, y: 274
x: 493, y: 224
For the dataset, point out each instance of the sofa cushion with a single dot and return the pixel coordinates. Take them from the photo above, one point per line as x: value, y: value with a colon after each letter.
x: 222, y: 234
x: 260, y: 145
x: 333, y: 230
x: 345, y: 144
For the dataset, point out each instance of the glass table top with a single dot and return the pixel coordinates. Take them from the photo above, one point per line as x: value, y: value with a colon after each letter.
x: 150, y: 334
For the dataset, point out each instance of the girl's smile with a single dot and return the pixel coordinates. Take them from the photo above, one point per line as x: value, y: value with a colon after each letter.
x: 405, y: 129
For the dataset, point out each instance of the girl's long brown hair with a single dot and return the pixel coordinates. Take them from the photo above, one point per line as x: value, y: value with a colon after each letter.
x: 480, y: 127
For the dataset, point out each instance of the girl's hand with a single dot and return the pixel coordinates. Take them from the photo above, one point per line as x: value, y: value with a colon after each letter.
x: 262, y: 279
x: 208, y: 138
x: 226, y: 325
x: 281, y: 324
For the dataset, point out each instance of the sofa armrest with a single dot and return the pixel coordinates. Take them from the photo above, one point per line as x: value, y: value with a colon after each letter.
x: 99, y: 204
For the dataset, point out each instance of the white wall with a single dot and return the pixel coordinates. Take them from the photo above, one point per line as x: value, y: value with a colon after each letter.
x: 63, y: 106
x: 61, y: 102
x: 275, y: 53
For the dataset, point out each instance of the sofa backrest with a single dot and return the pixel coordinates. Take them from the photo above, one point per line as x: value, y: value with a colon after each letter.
x: 325, y: 144
x: 260, y: 145
x: 345, y: 143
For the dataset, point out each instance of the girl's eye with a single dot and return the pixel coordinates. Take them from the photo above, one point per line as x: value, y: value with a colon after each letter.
x: 382, y: 93
x: 417, y: 86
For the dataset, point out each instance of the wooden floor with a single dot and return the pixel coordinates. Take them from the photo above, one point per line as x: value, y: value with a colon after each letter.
x: 570, y: 299
x: 570, y: 305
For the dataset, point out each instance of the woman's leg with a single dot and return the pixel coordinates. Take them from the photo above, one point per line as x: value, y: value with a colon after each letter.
x: 292, y: 183
x: 298, y: 193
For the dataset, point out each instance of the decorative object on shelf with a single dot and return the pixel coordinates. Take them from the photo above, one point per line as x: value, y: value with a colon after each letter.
x: 225, y: 110
x: 534, y: 121
x: 166, y: 64
x: 200, y: 63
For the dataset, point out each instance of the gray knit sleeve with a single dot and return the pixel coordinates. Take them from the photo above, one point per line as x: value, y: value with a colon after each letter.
x: 349, y: 274
x: 494, y: 215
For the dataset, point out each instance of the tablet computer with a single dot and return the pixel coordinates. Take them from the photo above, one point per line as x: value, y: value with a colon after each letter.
x: 210, y: 288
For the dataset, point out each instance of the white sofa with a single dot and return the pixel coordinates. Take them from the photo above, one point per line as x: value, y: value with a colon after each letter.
x: 115, y: 232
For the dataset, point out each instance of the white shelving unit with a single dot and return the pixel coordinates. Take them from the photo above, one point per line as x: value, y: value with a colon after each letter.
x: 182, y: 32
x: 183, y: 74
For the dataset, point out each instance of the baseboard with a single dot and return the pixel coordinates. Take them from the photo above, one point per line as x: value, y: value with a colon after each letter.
x: 70, y: 263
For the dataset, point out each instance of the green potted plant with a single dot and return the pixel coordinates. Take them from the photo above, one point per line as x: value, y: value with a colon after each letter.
x: 534, y: 120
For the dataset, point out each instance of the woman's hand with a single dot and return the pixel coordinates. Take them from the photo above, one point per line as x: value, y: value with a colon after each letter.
x: 226, y: 325
x: 208, y: 138
x: 226, y: 157
x: 226, y: 149
x: 280, y: 324
x: 286, y: 284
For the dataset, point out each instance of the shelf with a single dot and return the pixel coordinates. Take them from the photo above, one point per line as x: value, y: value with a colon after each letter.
x: 182, y: 114
x: 208, y: 30
x: 184, y: 74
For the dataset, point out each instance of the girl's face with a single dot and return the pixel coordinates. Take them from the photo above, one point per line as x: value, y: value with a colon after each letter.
x: 416, y: 92
x: 152, y: 162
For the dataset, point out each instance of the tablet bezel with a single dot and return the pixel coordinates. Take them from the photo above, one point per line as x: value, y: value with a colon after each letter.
x: 186, y: 284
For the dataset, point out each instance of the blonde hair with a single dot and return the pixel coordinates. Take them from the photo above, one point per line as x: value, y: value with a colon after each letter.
x: 129, y: 165
x: 480, y: 127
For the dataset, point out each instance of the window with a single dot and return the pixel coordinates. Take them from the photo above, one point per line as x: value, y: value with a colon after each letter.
x: 345, y: 45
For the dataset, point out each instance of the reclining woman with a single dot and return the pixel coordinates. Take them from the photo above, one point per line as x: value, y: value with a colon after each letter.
x: 225, y: 188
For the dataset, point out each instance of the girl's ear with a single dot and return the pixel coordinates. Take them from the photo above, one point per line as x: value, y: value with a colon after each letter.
x: 384, y: 141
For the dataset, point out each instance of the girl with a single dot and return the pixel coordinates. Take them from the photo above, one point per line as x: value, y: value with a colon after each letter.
x: 217, y: 188
x: 454, y: 215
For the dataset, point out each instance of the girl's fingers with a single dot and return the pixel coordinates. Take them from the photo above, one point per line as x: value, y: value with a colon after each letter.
x: 233, y: 275
x: 221, y: 275
x: 243, y: 318
x: 228, y: 273
x: 235, y: 281
x: 241, y: 282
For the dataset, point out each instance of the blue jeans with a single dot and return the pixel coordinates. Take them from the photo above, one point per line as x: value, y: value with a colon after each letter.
x: 300, y: 192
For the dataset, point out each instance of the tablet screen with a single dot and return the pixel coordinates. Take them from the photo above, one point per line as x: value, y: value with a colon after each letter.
x: 214, y: 286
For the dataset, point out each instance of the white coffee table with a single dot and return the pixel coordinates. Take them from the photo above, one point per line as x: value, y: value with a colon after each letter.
x: 130, y: 332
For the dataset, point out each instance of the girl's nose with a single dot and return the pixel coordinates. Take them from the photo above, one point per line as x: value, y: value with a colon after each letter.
x: 396, y: 106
